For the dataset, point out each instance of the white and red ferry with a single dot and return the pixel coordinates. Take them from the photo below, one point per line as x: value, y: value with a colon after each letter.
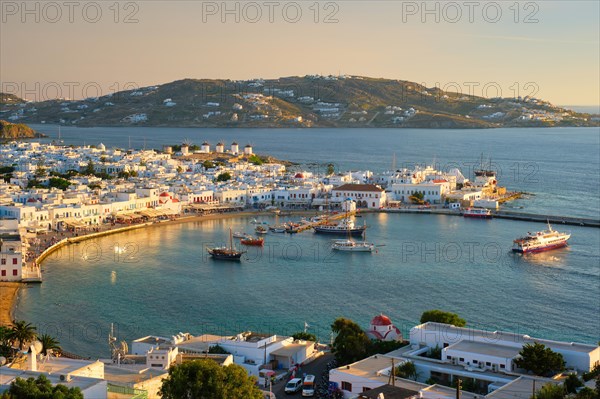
x: 541, y: 241
x: 478, y: 213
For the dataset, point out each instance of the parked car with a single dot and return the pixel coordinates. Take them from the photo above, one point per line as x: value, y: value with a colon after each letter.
x: 293, y: 385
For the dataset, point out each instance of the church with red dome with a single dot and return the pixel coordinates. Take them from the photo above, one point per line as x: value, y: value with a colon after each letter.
x: 383, y: 329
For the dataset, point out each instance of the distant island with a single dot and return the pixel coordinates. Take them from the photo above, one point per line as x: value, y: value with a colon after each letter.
x: 308, y: 101
x: 11, y: 131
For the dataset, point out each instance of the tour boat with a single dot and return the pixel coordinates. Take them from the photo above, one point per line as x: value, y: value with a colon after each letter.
x: 226, y: 253
x: 541, y: 241
x: 478, y: 213
x: 253, y: 241
x: 352, y: 246
x: 345, y: 226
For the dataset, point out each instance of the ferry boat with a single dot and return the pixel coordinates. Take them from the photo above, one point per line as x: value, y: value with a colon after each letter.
x: 345, y: 226
x: 478, y: 213
x: 352, y: 246
x: 541, y: 241
x: 226, y: 253
x: 253, y: 241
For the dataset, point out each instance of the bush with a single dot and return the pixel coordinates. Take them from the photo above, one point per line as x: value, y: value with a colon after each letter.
x: 439, y: 316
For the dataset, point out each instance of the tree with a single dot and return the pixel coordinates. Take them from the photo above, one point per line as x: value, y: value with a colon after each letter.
x: 48, y: 343
x: 40, y: 388
x: 255, y: 159
x: 90, y: 168
x: 306, y: 336
x: 572, y: 383
x: 351, y: 343
x: 205, y: 378
x: 550, y: 391
x: 208, y: 164
x: 40, y: 170
x: 587, y: 393
x: 59, y: 182
x: 224, y: 176
x: 407, y: 370
x: 540, y: 360
x: 5, y: 336
x: 330, y: 169
x: 217, y: 349
x: 22, y: 332
x: 439, y: 316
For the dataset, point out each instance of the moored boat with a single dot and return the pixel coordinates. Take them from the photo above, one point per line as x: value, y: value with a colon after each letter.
x: 253, y: 241
x: 544, y: 240
x: 345, y: 226
x: 278, y: 229
x: 352, y: 246
x: 239, y: 234
x: 261, y: 230
x: 477, y: 213
x: 226, y: 253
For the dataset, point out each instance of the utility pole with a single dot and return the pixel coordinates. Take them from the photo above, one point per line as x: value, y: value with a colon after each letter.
x: 533, y: 389
x: 458, y: 387
x: 392, y: 381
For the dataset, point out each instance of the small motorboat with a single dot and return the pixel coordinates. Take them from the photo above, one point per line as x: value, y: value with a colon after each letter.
x: 261, y: 230
x: 253, y: 241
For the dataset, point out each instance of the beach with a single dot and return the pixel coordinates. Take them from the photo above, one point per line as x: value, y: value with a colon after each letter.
x: 8, y: 296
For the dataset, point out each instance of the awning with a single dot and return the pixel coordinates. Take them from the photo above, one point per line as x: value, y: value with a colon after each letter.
x: 290, y: 350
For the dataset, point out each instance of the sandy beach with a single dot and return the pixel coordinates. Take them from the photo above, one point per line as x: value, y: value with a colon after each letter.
x: 8, y: 296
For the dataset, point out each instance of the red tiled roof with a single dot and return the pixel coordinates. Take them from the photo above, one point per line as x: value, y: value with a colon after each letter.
x: 359, y: 187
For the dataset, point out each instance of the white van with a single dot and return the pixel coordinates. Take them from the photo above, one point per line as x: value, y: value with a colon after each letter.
x: 308, y: 387
x: 294, y: 385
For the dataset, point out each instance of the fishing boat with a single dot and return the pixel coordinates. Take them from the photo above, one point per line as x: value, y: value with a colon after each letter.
x: 477, y: 213
x: 278, y: 229
x: 345, y: 226
x: 226, y: 253
x: 541, y: 241
x: 253, y: 241
x: 261, y: 230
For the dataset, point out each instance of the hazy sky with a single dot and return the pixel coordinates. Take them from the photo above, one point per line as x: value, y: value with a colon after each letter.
x: 546, y: 48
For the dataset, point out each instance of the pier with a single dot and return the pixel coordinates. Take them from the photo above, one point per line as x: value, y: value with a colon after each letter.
x: 309, y: 225
x: 524, y: 217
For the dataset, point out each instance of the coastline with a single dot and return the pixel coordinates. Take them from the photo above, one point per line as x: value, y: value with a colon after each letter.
x: 8, y: 301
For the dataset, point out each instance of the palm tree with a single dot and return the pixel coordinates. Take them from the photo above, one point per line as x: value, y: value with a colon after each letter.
x: 48, y: 343
x: 22, y: 332
x: 5, y: 334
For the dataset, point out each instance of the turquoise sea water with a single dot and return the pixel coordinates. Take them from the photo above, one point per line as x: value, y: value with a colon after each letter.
x: 161, y: 282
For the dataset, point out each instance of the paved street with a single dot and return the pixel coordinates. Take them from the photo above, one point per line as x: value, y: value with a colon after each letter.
x: 316, y: 368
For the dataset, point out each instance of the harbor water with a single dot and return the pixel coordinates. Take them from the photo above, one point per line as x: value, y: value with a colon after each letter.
x: 160, y: 280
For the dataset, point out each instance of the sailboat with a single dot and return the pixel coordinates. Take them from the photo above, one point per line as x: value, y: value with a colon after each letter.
x: 226, y: 253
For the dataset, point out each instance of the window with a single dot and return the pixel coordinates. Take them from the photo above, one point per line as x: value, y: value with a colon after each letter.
x: 446, y: 344
x: 502, y: 366
x: 488, y: 363
x: 14, y: 261
x: 346, y: 386
x: 15, y: 272
x: 474, y: 361
x: 3, y: 273
x: 461, y: 359
x: 365, y: 389
x: 449, y: 357
x: 3, y: 261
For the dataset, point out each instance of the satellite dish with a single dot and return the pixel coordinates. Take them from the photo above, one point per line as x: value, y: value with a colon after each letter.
x: 2, y: 360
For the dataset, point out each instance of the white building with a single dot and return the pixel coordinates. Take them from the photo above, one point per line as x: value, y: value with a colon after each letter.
x: 220, y: 148
x: 495, y: 350
x: 248, y: 149
x: 235, y: 148
x: 11, y: 251
x: 205, y: 148
x: 366, y: 195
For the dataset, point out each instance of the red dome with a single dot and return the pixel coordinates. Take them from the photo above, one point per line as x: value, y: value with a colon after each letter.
x: 299, y: 176
x: 165, y: 194
x: 381, y: 320
x: 31, y: 200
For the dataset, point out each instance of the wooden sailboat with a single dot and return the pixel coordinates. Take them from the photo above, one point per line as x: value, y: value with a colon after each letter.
x: 226, y: 253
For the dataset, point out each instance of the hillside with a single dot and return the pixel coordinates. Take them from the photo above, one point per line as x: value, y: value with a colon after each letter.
x: 309, y: 101
x: 11, y: 131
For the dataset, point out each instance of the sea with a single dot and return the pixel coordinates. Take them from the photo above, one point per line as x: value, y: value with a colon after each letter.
x: 160, y: 281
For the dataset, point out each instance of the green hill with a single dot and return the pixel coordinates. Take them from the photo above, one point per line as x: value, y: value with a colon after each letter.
x: 309, y: 101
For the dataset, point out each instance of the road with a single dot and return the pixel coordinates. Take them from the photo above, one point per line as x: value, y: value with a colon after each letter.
x: 316, y: 368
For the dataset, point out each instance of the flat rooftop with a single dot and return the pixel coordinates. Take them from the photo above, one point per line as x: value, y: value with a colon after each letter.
x: 502, y: 351
x: 521, y: 388
x: 453, y: 333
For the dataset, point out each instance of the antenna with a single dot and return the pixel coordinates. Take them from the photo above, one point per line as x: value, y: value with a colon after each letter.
x: 394, y: 162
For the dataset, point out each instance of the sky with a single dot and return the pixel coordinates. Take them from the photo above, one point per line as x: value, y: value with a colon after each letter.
x: 548, y: 49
